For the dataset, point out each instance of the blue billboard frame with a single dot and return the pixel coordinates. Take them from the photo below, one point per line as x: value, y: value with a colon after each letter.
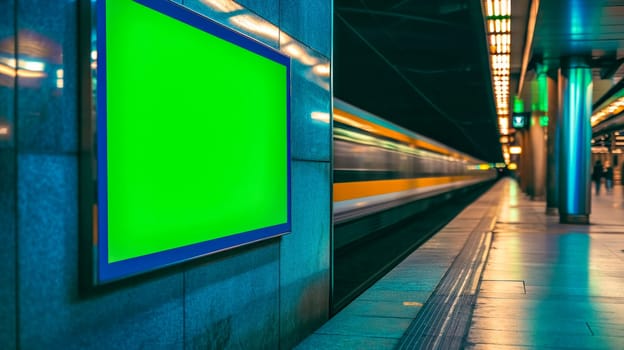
x: 104, y: 271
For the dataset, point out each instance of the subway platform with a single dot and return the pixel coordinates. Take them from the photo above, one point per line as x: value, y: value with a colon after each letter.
x: 501, y: 275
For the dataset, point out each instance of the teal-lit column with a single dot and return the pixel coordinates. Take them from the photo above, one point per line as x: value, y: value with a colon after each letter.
x: 537, y: 135
x: 552, y: 158
x: 538, y: 157
x: 575, y: 91
x: 521, y: 168
x: 527, y: 154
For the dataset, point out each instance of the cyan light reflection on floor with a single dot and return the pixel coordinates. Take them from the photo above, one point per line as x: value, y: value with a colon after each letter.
x: 552, y: 285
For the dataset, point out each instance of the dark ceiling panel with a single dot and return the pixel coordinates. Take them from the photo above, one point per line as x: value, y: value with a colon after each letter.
x: 591, y: 28
x: 578, y: 27
x: 420, y: 64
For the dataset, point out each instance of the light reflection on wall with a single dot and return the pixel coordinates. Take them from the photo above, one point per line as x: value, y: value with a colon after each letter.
x: 93, y: 58
x: 39, y: 56
x: 297, y: 51
x: 8, y: 71
x: 34, y: 66
x: 225, y: 6
x: 59, y: 78
x: 30, y: 74
x: 253, y: 25
x: 319, y: 71
x: 320, y: 116
x: 322, y: 69
x: 5, y: 129
x: 256, y: 25
x: 23, y: 68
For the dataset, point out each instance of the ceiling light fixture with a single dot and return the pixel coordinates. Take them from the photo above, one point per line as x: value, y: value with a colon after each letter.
x: 498, y: 25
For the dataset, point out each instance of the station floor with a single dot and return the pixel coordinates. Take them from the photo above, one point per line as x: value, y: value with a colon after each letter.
x: 501, y: 275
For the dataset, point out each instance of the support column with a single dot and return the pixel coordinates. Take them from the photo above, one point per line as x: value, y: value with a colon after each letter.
x: 575, y: 91
x: 527, y: 166
x: 522, y: 168
x: 539, y: 109
x: 552, y: 158
x: 538, y: 159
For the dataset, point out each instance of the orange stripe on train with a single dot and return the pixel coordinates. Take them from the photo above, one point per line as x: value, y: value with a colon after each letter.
x: 351, y: 190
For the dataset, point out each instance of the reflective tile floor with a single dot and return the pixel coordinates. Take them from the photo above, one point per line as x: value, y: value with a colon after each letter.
x: 552, y: 286
x: 544, y: 285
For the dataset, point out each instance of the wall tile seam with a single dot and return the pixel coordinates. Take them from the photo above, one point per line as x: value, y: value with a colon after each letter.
x: 22, y: 152
x: 310, y: 160
x: 252, y: 11
x: 15, y: 149
x: 331, y: 31
x: 307, y: 47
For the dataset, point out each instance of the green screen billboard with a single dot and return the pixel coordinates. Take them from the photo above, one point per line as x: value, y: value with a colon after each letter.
x: 193, y: 137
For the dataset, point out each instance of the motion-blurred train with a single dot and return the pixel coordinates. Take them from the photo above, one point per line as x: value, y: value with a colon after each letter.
x: 383, y: 169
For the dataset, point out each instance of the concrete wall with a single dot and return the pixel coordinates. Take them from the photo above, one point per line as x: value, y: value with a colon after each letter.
x: 266, y: 295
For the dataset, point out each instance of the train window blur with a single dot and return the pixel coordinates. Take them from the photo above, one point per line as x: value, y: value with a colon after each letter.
x: 378, y: 165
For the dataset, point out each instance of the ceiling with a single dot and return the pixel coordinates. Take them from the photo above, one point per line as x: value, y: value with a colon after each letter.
x: 590, y: 28
x: 420, y: 64
x: 423, y: 64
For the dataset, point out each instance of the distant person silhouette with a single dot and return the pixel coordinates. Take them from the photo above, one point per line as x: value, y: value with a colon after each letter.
x: 597, y: 175
x: 608, y: 175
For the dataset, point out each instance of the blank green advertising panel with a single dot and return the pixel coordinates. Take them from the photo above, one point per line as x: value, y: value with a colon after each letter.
x: 193, y: 137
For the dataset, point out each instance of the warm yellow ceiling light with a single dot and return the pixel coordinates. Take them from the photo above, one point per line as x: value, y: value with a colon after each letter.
x: 498, y: 24
x: 614, y: 108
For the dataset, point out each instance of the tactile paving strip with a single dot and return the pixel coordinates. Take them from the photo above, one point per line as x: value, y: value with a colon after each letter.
x: 444, y: 320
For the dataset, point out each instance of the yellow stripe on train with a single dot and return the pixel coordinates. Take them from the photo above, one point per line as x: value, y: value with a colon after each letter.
x: 360, y: 123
